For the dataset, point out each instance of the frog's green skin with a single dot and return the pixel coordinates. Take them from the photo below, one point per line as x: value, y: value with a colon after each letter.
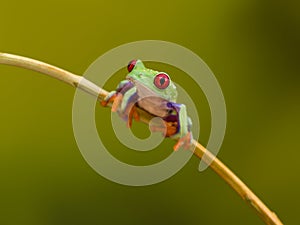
x: 140, y: 89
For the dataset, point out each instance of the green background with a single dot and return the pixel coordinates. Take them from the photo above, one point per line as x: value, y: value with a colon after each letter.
x: 251, y: 46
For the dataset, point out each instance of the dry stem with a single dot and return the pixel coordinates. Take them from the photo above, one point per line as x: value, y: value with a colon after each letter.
x: 201, y: 152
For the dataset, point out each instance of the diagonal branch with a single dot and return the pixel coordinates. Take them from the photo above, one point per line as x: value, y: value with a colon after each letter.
x: 200, y: 151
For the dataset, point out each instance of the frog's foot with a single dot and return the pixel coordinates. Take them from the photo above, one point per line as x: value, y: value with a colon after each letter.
x: 109, y: 98
x: 133, y: 114
x: 115, y: 98
x: 104, y: 103
x: 185, y: 141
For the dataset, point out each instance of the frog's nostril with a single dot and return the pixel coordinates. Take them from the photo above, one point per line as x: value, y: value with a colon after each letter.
x: 131, y: 65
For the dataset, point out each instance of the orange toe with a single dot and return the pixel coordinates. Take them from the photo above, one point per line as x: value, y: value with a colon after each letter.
x: 135, y: 114
x: 178, y: 145
x: 116, y: 102
x: 132, y: 115
x: 183, y: 141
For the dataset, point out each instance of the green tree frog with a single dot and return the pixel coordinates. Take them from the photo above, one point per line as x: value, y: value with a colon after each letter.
x: 154, y: 92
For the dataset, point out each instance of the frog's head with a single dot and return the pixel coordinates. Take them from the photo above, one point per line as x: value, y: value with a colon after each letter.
x: 150, y: 81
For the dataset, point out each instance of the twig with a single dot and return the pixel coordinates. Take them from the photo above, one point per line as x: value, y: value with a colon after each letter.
x: 201, y: 152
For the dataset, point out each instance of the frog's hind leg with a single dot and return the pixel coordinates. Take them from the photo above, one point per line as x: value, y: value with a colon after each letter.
x: 167, y: 126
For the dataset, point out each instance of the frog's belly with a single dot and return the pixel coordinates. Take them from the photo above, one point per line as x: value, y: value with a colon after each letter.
x: 154, y: 105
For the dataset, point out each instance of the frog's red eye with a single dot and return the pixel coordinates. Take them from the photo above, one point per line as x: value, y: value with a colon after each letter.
x: 162, y: 80
x: 131, y: 65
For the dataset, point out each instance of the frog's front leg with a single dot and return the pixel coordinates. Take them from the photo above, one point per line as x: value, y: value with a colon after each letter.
x: 116, y: 96
x: 127, y: 109
x: 183, y: 126
x: 123, y: 101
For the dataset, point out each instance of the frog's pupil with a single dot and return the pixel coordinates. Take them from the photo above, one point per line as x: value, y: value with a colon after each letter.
x: 162, y: 81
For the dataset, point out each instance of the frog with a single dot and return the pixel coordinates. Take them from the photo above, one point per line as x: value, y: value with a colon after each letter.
x: 155, y: 93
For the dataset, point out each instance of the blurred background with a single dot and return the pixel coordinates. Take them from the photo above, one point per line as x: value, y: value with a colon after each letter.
x: 251, y: 46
